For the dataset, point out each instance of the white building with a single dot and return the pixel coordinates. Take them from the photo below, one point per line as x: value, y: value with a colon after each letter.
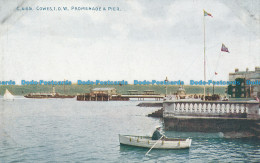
x: 252, y: 76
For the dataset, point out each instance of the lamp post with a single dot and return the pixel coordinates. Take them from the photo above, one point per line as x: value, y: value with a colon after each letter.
x: 166, y: 80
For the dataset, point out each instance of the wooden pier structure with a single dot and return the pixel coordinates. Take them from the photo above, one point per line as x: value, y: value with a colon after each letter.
x: 107, y: 97
x: 110, y: 94
x: 144, y: 95
x: 101, y: 97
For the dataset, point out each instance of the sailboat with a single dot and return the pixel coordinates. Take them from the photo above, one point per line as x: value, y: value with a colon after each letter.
x: 8, y: 96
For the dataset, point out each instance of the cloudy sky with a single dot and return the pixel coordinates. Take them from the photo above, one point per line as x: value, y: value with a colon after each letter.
x: 145, y: 40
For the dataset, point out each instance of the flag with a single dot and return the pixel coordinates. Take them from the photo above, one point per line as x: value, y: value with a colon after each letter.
x: 207, y: 14
x: 224, y: 48
x: 216, y: 73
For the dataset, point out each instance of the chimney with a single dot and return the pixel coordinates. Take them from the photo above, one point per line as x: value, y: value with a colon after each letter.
x: 236, y: 69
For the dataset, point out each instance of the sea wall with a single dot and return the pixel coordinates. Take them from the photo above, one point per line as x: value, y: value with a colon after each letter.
x: 233, y: 118
x: 232, y: 128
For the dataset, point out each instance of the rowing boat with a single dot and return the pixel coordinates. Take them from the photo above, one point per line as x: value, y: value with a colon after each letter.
x: 147, y: 142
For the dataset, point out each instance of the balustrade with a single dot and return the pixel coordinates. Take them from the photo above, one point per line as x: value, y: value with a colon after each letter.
x: 223, y: 108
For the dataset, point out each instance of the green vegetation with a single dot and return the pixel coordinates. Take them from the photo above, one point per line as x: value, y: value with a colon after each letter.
x: 79, y: 89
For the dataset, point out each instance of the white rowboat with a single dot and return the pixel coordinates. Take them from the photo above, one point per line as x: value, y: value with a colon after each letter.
x: 147, y: 142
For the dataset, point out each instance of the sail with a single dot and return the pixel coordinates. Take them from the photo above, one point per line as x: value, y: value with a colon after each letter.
x: 8, y: 95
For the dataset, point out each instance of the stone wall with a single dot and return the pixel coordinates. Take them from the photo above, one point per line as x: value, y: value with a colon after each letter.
x: 229, y: 126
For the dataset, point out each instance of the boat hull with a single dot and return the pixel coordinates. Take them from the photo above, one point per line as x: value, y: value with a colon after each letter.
x: 147, y: 142
x: 49, y: 96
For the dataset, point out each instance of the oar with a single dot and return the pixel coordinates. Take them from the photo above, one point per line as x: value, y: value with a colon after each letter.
x: 153, y: 146
x: 163, y: 135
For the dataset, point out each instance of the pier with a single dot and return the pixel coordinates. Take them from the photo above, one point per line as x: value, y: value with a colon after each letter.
x: 110, y: 94
x: 145, y: 94
x: 107, y: 97
x: 142, y: 97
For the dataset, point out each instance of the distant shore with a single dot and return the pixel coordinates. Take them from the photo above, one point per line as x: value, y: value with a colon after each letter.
x: 80, y: 89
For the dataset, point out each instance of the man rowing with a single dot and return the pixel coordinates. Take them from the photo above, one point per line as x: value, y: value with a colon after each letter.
x: 157, y: 133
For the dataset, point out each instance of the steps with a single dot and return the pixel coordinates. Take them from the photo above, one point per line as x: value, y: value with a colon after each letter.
x: 157, y: 114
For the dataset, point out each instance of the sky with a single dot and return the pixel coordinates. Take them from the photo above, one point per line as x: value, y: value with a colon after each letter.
x: 145, y: 40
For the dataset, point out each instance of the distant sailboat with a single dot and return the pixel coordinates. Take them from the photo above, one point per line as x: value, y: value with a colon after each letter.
x: 8, y: 96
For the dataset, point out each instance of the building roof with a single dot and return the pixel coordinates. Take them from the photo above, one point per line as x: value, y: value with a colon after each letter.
x: 241, y: 72
x: 103, y: 89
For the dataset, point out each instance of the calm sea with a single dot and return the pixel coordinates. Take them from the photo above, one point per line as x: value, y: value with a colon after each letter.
x: 66, y: 130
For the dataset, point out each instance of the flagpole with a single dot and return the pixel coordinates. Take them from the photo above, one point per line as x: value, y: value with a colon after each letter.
x: 204, y: 58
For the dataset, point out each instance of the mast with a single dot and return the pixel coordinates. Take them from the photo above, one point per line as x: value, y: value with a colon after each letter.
x: 204, y: 58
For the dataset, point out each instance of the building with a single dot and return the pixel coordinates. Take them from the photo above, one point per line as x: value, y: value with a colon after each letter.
x: 250, y: 83
x: 149, y: 92
x: 108, y: 91
x: 132, y: 92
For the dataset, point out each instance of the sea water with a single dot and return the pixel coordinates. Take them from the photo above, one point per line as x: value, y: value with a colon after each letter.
x: 66, y: 130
